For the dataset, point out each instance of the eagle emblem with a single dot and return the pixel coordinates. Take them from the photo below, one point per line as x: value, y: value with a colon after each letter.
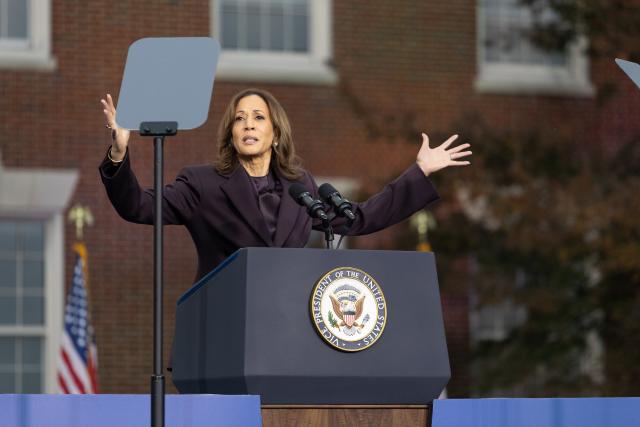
x: 348, y: 310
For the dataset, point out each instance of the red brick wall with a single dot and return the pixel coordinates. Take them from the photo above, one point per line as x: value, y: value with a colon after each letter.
x: 455, y: 309
x: 403, y: 66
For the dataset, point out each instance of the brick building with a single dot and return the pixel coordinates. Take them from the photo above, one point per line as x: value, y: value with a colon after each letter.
x: 359, y: 79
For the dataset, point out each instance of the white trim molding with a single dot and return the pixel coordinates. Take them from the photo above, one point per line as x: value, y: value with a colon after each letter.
x: 313, y: 67
x: 35, y: 52
x: 54, y: 298
x: 35, y: 192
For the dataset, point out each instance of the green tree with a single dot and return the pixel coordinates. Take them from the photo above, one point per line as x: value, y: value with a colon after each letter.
x: 552, y: 226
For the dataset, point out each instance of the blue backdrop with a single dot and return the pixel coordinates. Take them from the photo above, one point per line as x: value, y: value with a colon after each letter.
x: 122, y: 410
x: 583, y: 412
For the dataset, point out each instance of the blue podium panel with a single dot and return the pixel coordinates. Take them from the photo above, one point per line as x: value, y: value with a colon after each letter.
x: 124, y: 410
x: 257, y: 307
x: 578, y: 412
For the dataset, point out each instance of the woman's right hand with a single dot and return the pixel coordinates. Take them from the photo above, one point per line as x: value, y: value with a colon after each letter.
x: 120, y: 136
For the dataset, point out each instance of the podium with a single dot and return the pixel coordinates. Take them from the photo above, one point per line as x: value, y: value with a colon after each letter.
x: 247, y: 328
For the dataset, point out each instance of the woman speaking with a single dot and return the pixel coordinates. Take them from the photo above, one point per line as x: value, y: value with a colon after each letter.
x: 243, y: 199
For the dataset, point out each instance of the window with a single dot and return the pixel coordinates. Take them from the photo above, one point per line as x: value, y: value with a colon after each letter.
x: 14, y: 24
x: 509, y: 62
x: 32, y: 202
x: 276, y: 26
x: 274, y: 40
x: 21, y: 306
x: 495, y: 322
x: 25, y: 34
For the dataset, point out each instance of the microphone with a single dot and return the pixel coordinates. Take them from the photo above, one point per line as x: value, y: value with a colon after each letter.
x: 342, y: 206
x: 302, y: 196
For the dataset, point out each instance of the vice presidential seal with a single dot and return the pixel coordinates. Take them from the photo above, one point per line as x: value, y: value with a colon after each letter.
x: 348, y: 309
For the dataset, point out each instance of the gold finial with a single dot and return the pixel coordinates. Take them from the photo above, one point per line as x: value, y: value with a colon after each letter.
x: 422, y: 222
x: 80, y: 216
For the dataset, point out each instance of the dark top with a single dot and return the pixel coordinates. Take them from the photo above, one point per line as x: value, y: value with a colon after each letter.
x: 269, y: 191
x: 223, y: 214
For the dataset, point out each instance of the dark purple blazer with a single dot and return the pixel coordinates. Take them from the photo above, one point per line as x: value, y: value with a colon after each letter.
x: 221, y: 211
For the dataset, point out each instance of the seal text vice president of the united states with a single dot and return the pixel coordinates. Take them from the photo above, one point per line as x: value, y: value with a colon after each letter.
x: 242, y: 200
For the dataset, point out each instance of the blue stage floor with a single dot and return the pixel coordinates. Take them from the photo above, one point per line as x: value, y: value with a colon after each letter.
x: 125, y: 410
x: 583, y: 412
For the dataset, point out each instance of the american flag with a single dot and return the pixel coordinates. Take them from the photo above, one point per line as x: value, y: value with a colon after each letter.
x: 78, y: 362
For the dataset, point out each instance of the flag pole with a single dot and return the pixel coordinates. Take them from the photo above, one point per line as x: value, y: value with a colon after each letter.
x: 77, y: 366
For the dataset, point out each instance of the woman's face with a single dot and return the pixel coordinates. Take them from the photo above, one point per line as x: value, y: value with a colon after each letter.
x: 252, y: 127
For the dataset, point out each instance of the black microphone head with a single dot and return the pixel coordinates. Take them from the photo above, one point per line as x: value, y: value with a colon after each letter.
x: 296, y: 190
x: 326, y: 190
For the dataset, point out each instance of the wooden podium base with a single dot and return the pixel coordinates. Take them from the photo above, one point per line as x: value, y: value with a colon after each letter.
x: 346, y: 415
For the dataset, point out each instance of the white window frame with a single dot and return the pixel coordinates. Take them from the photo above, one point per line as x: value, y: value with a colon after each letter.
x: 36, y: 52
x: 53, y: 285
x: 573, y: 79
x: 42, y: 195
x: 285, y: 67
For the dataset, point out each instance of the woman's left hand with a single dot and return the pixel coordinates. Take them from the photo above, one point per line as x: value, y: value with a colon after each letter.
x: 433, y: 159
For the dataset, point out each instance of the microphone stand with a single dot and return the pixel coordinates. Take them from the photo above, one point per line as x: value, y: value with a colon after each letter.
x: 341, y: 206
x: 158, y: 130
x: 328, y: 233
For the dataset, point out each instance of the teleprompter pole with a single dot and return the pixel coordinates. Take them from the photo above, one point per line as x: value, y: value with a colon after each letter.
x: 157, y: 380
x: 158, y: 130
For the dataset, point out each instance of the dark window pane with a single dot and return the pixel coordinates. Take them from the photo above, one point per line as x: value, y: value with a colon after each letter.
x: 33, y: 311
x: 32, y: 274
x: 253, y: 26
x: 7, y: 236
x: 558, y: 58
x: 7, y: 382
x: 300, y: 21
x: 276, y: 27
x: 506, y: 24
x: 7, y: 310
x: 32, y: 236
x: 7, y: 273
x: 7, y: 350
x: 31, y: 351
x: 17, y: 27
x: 31, y: 382
x: 229, y: 31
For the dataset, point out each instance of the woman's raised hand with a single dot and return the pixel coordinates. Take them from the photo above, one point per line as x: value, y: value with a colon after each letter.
x: 120, y: 136
x: 433, y: 159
